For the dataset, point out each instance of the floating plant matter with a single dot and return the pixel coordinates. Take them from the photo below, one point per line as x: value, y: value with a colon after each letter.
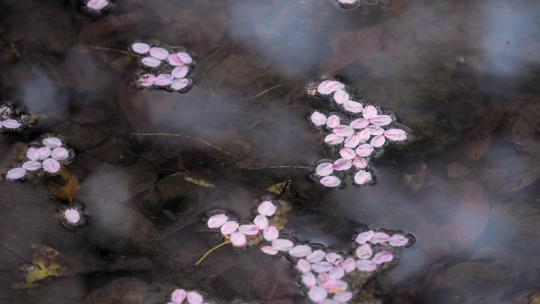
x: 72, y: 216
x: 181, y: 296
x: 328, y: 276
x: 12, y: 120
x: 97, y: 6
x: 355, y: 136
x: 165, y: 67
x: 47, y: 157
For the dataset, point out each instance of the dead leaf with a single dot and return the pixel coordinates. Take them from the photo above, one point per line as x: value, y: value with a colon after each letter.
x: 65, y: 185
x: 280, y: 187
x: 46, y: 263
x: 479, y: 140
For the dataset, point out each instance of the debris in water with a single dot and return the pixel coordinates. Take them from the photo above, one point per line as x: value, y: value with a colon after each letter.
x: 12, y: 120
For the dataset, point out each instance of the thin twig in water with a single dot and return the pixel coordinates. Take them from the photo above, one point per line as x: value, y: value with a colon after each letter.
x: 201, y: 141
x: 277, y: 86
x: 210, y: 251
x: 101, y: 48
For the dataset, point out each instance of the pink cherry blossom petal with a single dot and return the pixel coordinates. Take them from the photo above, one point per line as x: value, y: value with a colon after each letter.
x: 364, y: 135
x: 159, y: 53
x: 335, y: 286
x: 398, y: 240
x: 333, y: 258
x: 364, y: 237
x: 343, y: 297
x: 362, y: 177
x: 316, y: 256
x: 333, y: 121
x: 337, y: 273
x: 175, y: 60
x: 381, y: 120
x: 375, y: 130
x: 97, y: 5
x: 377, y: 141
x: 269, y: 250
x: 72, y: 216
x: 359, y: 123
x: 324, y: 169
x: 369, y: 111
x: 383, y: 257
x: 322, y: 267
x: 140, y: 48
x: 270, y: 233
x: 60, y: 154
x: 11, y: 124
x: 146, y: 80
x: 330, y: 181
x: 342, y: 164
x: 349, y: 265
x: 266, y: 208
x: 43, y: 153
x: 317, y: 294
x: 364, y: 150
x: 364, y: 252
x: 151, y: 62
x: 341, y: 96
x: 51, y: 165
x: 178, y: 296
x: 353, y: 106
x: 366, y: 265
x: 318, y: 118
x: 347, y: 153
x: 185, y: 57
x: 343, y: 130
x: 329, y: 86
x: 348, y: 2
x: 238, y: 239
x: 194, y: 297
x: 352, y: 141
x: 229, y: 227
x: 300, y: 251
x: 32, y: 166
x: 309, y: 280
x: 32, y: 153
x: 15, y: 174
x: 333, y: 139
x: 216, y: 221
x: 379, y: 238
x: 395, y: 134
x: 163, y: 80
x: 248, y: 229
x: 261, y: 222
x: 303, y: 265
x: 180, y: 84
x: 282, y: 244
x: 359, y: 162
x: 180, y: 71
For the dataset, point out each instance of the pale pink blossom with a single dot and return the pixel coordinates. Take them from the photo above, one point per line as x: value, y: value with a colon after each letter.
x: 342, y: 164
x: 229, y: 227
x: 238, y: 239
x: 366, y: 265
x: 395, y: 134
x: 216, y: 221
x: 333, y: 121
x: 341, y: 96
x: 364, y: 252
x: 383, y: 257
x: 300, y: 251
x: 324, y: 169
x: 15, y: 174
x: 333, y: 139
x: 398, y: 240
x: 194, y: 297
x: 303, y: 265
x: 317, y: 294
x: 369, y: 112
x: 51, y: 165
x: 362, y: 177
x: 140, y: 48
x: 364, y: 150
x: 270, y: 233
x: 248, y: 229
x: 316, y: 256
x: 347, y: 153
x: 359, y: 123
x: 159, y: 53
x: 318, y: 119
x: 261, y: 222
x: 309, y: 279
x: 364, y: 237
x: 178, y: 296
x: 330, y: 181
x: 329, y: 86
x: 267, y: 208
x: 379, y: 238
x: 353, y: 106
x: 282, y: 244
x: 269, y: 250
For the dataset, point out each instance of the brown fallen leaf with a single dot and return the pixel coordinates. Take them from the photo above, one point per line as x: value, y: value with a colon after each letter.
x: 65, y: 185
x: 479, y: 140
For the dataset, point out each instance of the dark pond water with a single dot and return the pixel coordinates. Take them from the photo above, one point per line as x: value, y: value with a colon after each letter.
x: 464, y: 76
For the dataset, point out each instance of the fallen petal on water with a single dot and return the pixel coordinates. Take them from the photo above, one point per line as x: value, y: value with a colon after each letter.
x: 229, y: 227
x: 238, y: 239
x: 316, y: 257
x: 352, y: 141
x: 359, y: 123
x: 333, y: 121
x: 185, y: 57
x: 318, y: 119
x: 398, y: 240
x: 146, y: 80
x: 159, y: 53
x: 309, y: 280
x: 349, y: 265
x: 375, y: 130
x: 194, y: 297
x: 364, y: 237
x: 395, y: 134
x: 180, y: 71
x: 140, y: 48
x: 330, y: 181
x: 300, y: 251
x: 359, y: 162
x: 377, y: 141
x: 364, y: 150
x: 60, y: 154
x: 32, y: 166
x: 72, y: 216
x: 178, y: 296
x: 43, y: 153
x: 216, y: 221
x: 51, y: 165
x: 271, y: 233
x: 343, y: 130
x: 343, y: 297
x: 342, y: 164
x: 366, y: 265
x: 341, y: 96
x: 303, y: 265
x: 324, y: 169
x: 347, y: 153
x: 381, y: 120
x: 266, y: 208
x: 97, y: 5
x: 362, y: 177
x: 11, y: 124
x: 383, y: 257
x: 379, y: 238
x: 151, y: 62
x: 364, y: 252
x: 15, y: 174
x: 32, y: 153
x: 329, y: 86
x: 282, y: 244
x: 369, y: 112
x: 261, y: 222
x: 333, y: 139
x: 248, y: 229
x: 353, y: 106
x: 163, y: 80
x: 269, y: 250
x: 317, y: 294
x: 180, y: 84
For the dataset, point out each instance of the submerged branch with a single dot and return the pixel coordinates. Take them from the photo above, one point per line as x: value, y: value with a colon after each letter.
x: 105, y: 49
x: 210, y: 251
x: 277, y: 167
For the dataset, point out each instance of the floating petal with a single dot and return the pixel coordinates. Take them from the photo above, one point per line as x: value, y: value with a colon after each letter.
x: 347, y: 153
x: 159, y: 53
x: 151, y: 62
x: 364, y: 237
x: 269, y: 250
x: 72, y: 216
x: 238, y: 239
x: 383, y: 257
x: 359, y: 123
x: 378, y: 141
x: 330, y: 181
x: 271, y: 233
x: 180, y: 84
x: 180, y: 71
x: 375, y: 130
x: 248, y: 229
x: 343, y: 130
x: 341, y: 96
x: 303, y: 265
x: 395, y: 134
x: 316, y: 257
x: 353, y: 106
x: 194, y: 297
x: 333, y: 139
x: 282, y: 244
x: 11, y: 124
x: 364, y: 252
x: 317, y: 294
x: 15, y: 174
x: 329, y: 86
x: 229, y: 227
x: 324, y: 169
x: 318, y: 118
x: 366, y: 265
x: 267, y: 208
x: 364, y: 150
x: 333, y: 121
x: 178, y: 296
x: 300, y: 251
x: 398, y: 240
x: 146, y: 80
x: 163, y: 80
x: 362, y: 177
x: 309, y: 279
x: 60, y: 154
x: 51, y: 165
x: 381, y: 120
x: 369, y: 111
x: 261, y: 222
x: 352, y: 141
x: 379, y: 238
x: 359, y: 162
x: 140, y: 48
x: 216, y: 221
x: 32, y: 166
x: 342, y: 164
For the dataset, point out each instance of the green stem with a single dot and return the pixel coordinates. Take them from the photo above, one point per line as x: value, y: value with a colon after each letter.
x: 210, y: 251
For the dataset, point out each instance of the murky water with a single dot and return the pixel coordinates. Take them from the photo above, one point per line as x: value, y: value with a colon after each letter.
x: 462, y: 75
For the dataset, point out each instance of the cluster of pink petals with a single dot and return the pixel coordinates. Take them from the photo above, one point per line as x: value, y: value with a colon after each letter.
x: 48, y: 157
x: 167, y: 68
x: 325, y: 274
x: 355, y: 139
x: 97, y: 6
x: 181, y: 296
x: 239, y: 233
x: 10, y: 120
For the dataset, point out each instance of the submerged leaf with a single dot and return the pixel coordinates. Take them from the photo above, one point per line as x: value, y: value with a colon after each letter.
x: 65, y: 185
